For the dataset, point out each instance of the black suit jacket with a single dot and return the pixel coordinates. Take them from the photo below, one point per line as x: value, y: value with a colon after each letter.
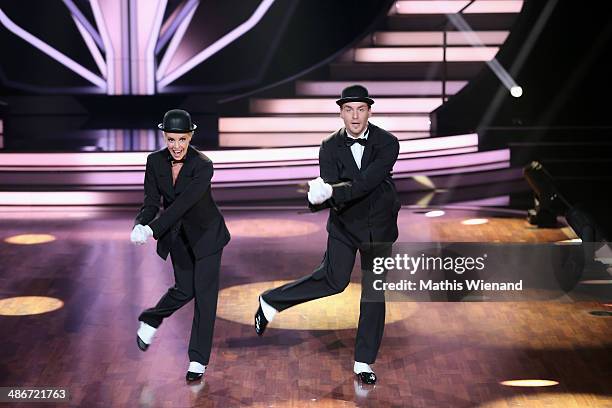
x: 188, y: 204
x: 364, y: 203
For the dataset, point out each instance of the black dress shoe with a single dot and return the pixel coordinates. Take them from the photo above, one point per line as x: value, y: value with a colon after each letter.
x: 141, y: 344
x: 191, y: 376
x: 367, y: 378
x: 260, y: 322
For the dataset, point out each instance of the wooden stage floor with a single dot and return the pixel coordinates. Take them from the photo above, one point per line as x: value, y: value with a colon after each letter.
x: 433, y: 354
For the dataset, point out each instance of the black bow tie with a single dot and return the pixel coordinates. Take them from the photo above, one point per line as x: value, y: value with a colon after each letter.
x: 349, y: 141
x: 173, y: 161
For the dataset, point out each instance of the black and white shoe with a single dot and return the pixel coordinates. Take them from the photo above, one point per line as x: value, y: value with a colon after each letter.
x: 191, y: 376
x: 367, y: 377
x: 144, y: 336
x: 260, y: 322
x: 141, y: 344
x: 195, y: 371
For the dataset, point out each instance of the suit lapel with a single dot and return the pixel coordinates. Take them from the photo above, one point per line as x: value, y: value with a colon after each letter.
x: 181, y: 179
x: 166, y: 175
x: 345, y: 154
x: 367, y: 152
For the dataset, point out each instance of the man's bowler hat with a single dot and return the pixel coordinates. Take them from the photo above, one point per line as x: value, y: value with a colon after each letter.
x: 354, y: 93
x: 177, y: 121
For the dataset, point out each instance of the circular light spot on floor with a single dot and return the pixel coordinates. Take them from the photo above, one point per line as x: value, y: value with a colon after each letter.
x: 475, y: 221
x: 312, y: 402
x: 28, y: 305
x: 529, y: 383
x: 270, y: 228
x: 239, y: 303
x: 29, y: 239
x: 550, y: 399
x: 596, y: 282
x: 434, y: 213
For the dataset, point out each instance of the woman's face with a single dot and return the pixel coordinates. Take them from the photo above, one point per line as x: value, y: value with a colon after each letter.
x: 178, y: 143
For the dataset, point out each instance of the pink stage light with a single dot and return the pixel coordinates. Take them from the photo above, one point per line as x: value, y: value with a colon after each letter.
x: 114, y: 160
x: 91, y: 46
x: 448, y: 162
x: 37, y: 160
x: 175, y: 42
x: 424, y: 54
x: 179, y: 68
x: 264, y: 174
x: 113, y: 67
x: 432, y: 153
x: 281, y: 139
x: 62, y: 198
x: 454, y: 6
x: 399, y: 38
x: 147, y: 18
x: 317, y: 123
x: 461, y: 163
x: 501, y: 201
x: 325, y: 105
x: 459, y: 170
x: 439, y: 143
x: 497, y: 6
x: 129, y: 160
x: 378, y: 88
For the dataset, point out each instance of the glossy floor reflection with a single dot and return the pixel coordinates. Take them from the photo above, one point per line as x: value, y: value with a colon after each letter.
x: 433, y: 354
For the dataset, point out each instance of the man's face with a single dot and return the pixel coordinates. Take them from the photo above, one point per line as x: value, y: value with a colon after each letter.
x: 355, y: 116
x: 178, y: 143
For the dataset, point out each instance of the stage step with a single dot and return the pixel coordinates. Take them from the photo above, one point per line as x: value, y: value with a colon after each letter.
x: 437, y: 22
x: 407, y: 70
x: 421, y: 54
x: 325, y: 105
x: 433, y: 38
x: 378, y: 88
x: 415, y: 7
x: 358, y: 72
x: 116, y: 178
x: 318, y: 123
x: 281, y: 139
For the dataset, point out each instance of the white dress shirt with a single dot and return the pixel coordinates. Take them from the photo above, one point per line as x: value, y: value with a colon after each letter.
x: 356, y: 148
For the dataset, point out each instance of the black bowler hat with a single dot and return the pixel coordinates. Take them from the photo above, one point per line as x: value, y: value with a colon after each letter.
x: 177, y: 121
x: 354, y: 93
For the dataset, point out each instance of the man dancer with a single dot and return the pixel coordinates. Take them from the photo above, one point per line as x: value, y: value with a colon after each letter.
x: 355, y: 182
x: 190, y: 228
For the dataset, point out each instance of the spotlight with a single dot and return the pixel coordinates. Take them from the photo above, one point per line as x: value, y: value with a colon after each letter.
x: 516, y: 91
x: 28, y: 305
x: 29, y: 239
x: 549, y: 203
x: 529, y: 383
x: 434, y: 213
x: 475, y: 221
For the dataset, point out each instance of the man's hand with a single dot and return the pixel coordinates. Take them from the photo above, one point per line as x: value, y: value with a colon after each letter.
x: 319, y: 191
x: 140, y: 234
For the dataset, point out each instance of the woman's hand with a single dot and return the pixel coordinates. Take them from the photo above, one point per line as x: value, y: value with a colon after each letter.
x: 140, y: 234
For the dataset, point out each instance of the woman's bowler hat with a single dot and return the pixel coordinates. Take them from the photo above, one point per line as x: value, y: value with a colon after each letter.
x: 177, y: 121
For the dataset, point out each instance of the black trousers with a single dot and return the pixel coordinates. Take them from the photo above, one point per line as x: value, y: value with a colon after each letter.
x: 332, y: 277
x: 194, y: 278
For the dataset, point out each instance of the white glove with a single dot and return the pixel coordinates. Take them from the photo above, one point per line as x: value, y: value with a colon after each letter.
x: 140, y: 234
x: 319, y: 191
x: 136, y: 235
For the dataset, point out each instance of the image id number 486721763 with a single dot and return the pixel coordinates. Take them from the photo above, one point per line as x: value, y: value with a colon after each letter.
x: 33, y: 394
